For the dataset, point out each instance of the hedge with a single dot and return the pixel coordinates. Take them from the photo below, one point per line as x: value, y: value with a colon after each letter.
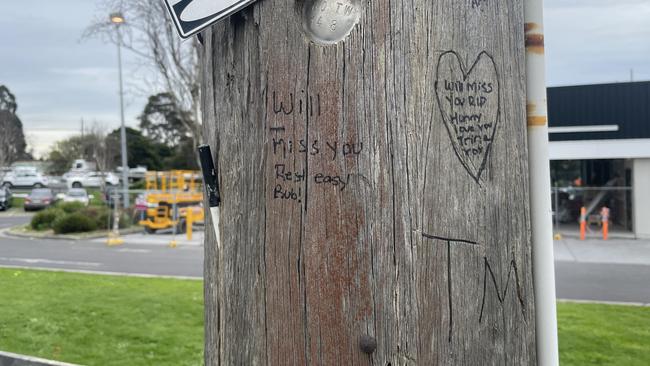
x: 44, y: 219
x: 74, y: 223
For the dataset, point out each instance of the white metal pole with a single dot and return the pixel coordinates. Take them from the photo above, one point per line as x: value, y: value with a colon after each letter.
x: 540, y: 187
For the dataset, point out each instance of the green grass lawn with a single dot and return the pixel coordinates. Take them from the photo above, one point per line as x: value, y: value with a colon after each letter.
x: 106, y: 320
x: 101, y: 320
x: 593, y: 334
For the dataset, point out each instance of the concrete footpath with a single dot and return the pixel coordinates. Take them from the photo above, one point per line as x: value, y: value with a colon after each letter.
x: 613, y: 251
x: 14, y: 359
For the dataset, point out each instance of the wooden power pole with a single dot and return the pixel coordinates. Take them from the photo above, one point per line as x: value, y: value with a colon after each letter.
x: 372, y: 161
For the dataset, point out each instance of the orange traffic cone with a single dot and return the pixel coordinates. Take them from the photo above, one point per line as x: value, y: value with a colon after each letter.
x: 583, y: 223
x: 604, y: 214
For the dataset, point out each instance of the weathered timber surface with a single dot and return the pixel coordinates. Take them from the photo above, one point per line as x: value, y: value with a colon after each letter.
x: 375, y: 186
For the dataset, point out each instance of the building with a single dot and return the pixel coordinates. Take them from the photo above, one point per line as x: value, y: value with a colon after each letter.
x: 600, y: 152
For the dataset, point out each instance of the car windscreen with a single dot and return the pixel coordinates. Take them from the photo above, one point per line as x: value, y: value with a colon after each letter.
x: 41, y: 193
x: 77, y: 194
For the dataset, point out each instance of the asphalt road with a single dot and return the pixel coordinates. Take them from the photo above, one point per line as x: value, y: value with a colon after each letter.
x: 602, y: 282
x: 93, y: 255
x: 598, y: 271
x: 9, y: 221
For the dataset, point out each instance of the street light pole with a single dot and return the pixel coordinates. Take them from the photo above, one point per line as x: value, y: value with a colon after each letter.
x: 118, y: 19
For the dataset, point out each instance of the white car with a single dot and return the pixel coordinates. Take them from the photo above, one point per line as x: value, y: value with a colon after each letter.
x: 92, y: 179
x: 25, y: 179
x: 77, y: 195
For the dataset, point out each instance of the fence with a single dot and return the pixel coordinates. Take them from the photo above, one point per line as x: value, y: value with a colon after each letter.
x: 568, y: 201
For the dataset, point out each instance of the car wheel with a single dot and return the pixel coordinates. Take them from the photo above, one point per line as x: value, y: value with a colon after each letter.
x: 38, y: 185
x: 76, y: 185
x: 7, y: 184
x: 149, y: 230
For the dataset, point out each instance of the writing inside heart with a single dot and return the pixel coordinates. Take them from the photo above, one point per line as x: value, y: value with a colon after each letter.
x: 469, y: 101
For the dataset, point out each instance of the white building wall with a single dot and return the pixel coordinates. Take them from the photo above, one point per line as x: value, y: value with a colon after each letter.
x: 641, y: 197
x: 599, y: 149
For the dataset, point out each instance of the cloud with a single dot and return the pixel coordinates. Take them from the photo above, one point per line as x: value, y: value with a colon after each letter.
x: 58, y: 80
x: 598, y: 4
x: 85, y: 71
x: 596, y: 41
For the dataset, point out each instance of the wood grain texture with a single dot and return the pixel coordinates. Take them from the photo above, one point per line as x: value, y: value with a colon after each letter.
x: 349, y: 204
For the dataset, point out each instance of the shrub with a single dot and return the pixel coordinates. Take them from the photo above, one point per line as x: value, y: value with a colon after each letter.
x: 105, y: 218
x: 71, y: 207
x: 73, y: 223
x: 93, y: 211
x: 125, y: 221
x: 44, y: 219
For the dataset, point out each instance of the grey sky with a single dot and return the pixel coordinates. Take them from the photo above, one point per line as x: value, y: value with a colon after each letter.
x: 596, y: 41
x: 58, y: 80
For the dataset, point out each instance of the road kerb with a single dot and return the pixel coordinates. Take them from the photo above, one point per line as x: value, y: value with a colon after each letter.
x: 598, y: 302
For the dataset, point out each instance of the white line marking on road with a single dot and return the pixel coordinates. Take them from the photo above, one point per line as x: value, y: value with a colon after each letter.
x: 127, y: 250
x: 48, y: 261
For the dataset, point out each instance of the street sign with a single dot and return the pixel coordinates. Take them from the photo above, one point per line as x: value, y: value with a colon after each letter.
x: 192, y: 16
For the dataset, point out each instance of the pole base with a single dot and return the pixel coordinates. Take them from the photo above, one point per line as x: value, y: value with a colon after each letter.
x: 114, y: 239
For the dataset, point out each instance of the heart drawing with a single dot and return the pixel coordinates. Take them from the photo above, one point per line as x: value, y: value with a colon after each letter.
x: 469, y: 100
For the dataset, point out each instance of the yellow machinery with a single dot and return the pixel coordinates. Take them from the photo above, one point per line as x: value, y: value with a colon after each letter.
x: 169, y: 196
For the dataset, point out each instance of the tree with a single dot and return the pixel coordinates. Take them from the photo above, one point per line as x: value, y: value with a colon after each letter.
x: 104, y: 150
x: 163, y: 121
x: 7, y: 100
x: 12, y: 138
x: 374, y: 185
x: 181, y: 156
x: 148, y: 34
x: 141, y: 150
x: 90, y: 146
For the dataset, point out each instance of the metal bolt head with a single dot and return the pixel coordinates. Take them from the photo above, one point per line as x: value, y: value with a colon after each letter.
x: 328, y: 22
x: 368, y: 344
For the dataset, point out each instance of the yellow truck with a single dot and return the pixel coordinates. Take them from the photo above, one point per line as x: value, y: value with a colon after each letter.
x: 173, y: 199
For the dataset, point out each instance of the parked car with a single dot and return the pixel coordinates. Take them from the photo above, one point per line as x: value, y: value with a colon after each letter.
x: 5, y: 198
x: 139, y: 170
x: 24, y: 179
x: 39, y: 198
x: 77, y: 195
x: 92, y: 179
x: 81, y: 165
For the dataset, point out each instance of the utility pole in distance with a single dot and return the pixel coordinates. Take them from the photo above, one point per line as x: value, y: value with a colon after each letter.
x: 374, y: 184
x: 118, y: 20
